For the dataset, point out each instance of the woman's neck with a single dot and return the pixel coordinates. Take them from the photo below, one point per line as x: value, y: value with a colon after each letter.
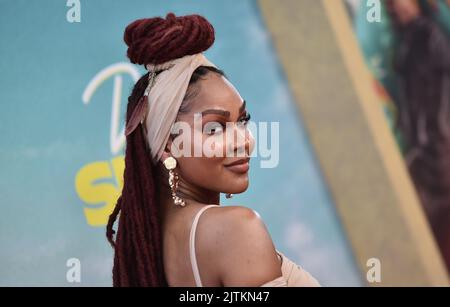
x: 192, y: 196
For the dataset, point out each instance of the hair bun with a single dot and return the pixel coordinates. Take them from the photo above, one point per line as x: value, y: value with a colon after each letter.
x: 158, y: 40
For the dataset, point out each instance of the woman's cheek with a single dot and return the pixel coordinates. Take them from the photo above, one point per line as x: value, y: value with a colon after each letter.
x: 221, y: 145
x: 251, y: 141
x: 214, y: 146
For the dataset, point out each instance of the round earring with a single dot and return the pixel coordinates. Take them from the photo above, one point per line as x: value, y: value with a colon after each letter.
x: 170, y: 163
x: 228, y: 195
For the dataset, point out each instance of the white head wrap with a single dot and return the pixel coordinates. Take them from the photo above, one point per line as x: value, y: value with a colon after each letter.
x: 165, y: 93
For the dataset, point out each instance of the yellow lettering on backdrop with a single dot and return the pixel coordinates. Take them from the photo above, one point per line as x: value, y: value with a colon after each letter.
x: 100, y: 197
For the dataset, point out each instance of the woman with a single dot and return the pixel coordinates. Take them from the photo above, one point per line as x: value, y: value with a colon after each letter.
x: 422, y: 64
x: 161, y: 240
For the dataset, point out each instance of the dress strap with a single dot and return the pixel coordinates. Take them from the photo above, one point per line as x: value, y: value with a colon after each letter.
x: 194, y: 265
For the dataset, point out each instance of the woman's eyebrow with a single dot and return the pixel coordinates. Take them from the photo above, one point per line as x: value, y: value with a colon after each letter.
x: 242, y: 108
x: 216, y: 111
x: 222, y: 112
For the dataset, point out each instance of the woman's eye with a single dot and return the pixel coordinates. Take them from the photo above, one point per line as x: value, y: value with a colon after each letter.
x: 214, y: 128
x: 244, y: 121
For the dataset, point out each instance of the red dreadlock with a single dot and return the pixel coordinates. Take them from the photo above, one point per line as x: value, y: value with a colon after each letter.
x: 138, y: 244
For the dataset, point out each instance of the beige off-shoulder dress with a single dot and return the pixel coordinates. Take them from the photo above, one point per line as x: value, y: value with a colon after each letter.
x: 292, y: 274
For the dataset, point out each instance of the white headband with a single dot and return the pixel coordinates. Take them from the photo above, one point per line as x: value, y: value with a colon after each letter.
x: 165, y: 93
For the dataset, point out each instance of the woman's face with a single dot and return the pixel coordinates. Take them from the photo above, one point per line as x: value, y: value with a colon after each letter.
x: 403, y: 11
x: 218, y: 137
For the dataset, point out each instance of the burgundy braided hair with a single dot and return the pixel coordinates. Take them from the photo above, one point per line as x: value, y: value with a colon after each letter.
x: 157, y: 40
x: 138, y: 243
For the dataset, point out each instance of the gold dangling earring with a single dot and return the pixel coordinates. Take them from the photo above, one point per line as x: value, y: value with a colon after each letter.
x: 228, y: 195
x: 170, y: 163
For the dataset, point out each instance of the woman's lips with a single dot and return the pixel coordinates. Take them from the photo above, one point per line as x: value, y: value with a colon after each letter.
x: 240, y: 168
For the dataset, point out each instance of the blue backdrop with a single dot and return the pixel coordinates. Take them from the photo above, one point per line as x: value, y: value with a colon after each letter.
x: 63, y: 96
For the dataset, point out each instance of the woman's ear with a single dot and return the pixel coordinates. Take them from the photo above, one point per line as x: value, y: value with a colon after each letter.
x: 165, y: 155
x: 169, y: 144
x: 167, y: 152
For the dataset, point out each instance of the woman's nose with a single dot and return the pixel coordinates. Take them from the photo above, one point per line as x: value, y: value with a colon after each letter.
x: 244, y: 140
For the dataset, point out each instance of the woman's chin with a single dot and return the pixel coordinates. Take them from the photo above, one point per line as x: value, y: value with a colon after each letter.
x: 239, y: 186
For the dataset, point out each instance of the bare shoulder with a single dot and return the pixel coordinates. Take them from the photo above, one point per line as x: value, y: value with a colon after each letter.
x: 241, y: 245
x: 230, y: 221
